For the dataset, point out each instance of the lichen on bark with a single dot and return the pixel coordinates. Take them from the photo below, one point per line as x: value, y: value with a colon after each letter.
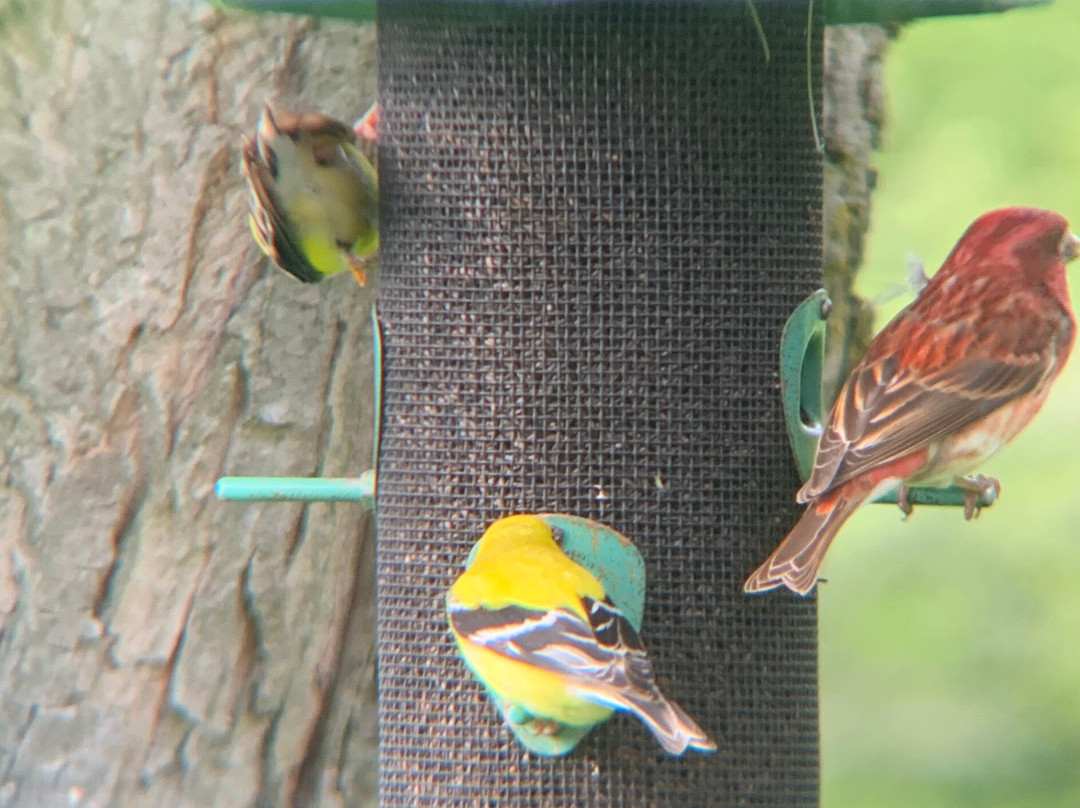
x: 854, y: 114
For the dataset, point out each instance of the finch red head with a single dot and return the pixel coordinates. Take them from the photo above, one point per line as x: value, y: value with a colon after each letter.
x: 949, y: 381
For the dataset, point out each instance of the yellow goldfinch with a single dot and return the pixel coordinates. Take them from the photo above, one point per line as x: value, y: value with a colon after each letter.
x: 539, y: 631
x: 314, y: 195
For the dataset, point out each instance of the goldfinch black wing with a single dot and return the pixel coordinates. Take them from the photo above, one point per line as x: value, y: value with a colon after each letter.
x: 602, y: 659
x: 604, y: 650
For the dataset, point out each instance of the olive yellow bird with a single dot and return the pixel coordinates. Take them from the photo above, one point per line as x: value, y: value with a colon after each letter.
x: 314, y: 195
x: 539, y: 631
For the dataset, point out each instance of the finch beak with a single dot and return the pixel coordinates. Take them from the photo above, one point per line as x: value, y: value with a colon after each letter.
x: 1071, y: 248
x: 357, y: 266
x: 367, y: 127
x: 268, y: 127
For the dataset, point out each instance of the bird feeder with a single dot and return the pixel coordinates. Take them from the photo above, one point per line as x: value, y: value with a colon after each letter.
x: 596, y: 220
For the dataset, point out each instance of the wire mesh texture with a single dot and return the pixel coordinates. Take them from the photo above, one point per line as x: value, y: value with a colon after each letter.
x: 595, y: 222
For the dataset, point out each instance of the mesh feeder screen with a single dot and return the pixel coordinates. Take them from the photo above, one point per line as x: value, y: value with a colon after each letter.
x: 596, y: 220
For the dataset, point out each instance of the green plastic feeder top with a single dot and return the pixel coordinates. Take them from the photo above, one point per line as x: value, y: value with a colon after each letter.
x: 836, y: 11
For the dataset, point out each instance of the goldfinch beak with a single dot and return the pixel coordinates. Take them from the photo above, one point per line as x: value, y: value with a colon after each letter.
x: 268, y: 128
x: 357, y: 267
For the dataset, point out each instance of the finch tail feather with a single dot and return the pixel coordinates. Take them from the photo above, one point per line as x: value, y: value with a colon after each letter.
x: 673, y: 728
x: 795, y: 563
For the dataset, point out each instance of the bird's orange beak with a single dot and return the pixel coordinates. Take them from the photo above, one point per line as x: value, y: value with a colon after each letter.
x: 267, y: 126
x: 367, y: 127
x: 358, y: 266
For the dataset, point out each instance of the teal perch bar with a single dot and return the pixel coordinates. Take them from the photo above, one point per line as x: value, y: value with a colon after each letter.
x: 299, y: 489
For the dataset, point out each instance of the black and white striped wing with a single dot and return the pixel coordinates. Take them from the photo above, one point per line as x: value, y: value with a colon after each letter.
x: 603, y: 653
x: 602, y: 657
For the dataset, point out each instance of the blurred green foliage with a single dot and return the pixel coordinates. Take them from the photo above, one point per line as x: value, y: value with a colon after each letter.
x: 950, y: 651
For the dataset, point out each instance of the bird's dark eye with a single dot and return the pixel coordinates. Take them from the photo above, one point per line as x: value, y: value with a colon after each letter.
x: 328, y: 154
x: 557, y: 535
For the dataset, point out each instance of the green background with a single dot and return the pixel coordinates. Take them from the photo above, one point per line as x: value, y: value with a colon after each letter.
x: 950, y: 651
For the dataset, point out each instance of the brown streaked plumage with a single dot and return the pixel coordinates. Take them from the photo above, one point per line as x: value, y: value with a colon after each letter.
x: 949, y: 381
x: 314, y: 195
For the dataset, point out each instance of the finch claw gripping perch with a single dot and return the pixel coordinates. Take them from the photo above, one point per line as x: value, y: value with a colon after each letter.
x: 979, y: 490
x: 902, y: 501
x: 539, y: 726
x: 367, y: 126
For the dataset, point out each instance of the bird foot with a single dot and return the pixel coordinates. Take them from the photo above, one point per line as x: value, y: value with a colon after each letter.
x: 902, y: 501
x: 976, y: 487
x: 539, y: 726
x: 521, y: 718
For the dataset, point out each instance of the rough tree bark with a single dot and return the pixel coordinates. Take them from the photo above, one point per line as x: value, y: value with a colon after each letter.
x: 854, y: 115
x: 158, y: 647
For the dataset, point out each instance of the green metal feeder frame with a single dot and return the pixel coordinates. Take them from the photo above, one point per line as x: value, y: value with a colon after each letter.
x: 837, y: 12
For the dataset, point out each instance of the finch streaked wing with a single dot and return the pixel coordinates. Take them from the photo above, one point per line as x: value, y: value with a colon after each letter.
x: 604, y: 652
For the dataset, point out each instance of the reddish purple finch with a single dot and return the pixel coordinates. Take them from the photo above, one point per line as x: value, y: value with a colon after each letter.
x: 949, y: 381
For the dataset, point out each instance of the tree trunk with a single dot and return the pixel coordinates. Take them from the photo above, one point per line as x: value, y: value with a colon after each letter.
x: 158, y: 647
x: 854, y: 115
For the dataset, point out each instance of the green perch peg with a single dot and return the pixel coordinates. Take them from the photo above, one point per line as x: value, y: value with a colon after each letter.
x: 299, y: 489
x: 802, y: 347
x: 317, y: 489
x: 356, y: 10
